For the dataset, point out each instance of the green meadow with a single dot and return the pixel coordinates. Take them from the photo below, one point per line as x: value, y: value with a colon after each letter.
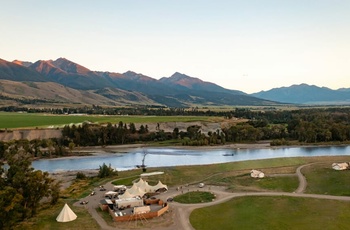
x: 273, y: 213
x: 29, y: 120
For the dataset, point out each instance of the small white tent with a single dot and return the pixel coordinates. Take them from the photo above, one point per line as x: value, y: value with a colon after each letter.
x: 66, y: 214
x: 257, y: 174
x: 340, y: 166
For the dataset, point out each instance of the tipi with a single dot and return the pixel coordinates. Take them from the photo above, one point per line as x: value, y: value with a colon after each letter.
x: 66, y: 214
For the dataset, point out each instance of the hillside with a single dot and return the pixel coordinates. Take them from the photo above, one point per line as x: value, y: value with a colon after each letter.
x: 15, y: 72
x: 70, y: 74
x: 50, y: 93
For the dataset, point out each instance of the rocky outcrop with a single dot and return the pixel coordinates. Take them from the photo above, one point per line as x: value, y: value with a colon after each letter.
x: 30, y: 134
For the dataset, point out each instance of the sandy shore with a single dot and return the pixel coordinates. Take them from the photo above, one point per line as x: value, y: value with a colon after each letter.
x: 97, y: 150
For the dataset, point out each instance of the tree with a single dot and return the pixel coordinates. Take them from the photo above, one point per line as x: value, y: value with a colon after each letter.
x: 175, y: 133
x: 106, y: 171
x: 71, y: 146
x: 142, y: 129
x: 132, y: 128
x: 23, y: 188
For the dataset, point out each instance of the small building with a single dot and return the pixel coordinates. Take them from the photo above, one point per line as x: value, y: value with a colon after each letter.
x: 134, y: 209
x: 105, y: 204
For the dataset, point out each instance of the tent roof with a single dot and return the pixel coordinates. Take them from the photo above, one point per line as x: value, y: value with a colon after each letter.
x: 160, y: 185
x: 125, y: 195
x: 66, y: 214
x: 139, y: 183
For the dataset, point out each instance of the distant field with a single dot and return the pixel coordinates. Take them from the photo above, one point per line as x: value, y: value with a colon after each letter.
x: 28, y: 120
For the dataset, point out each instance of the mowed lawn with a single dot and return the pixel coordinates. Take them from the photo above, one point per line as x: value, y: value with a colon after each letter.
x: 29, y: 120
x: 273, y: 213
x: 322, y: 179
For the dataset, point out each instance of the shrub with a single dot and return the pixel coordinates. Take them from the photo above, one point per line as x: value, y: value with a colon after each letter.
x: 106, y: 171
x: 80, y: 176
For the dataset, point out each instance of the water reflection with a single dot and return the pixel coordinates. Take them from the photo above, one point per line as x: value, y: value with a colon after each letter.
x: 171, y: 157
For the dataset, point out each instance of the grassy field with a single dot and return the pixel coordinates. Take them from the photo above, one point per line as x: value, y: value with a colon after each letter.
x: 244, y: 183
x: 46, y: 219
x: 273, y: 213
x: 29, y: 120
x: 194, y: 197
x: 322, y: 179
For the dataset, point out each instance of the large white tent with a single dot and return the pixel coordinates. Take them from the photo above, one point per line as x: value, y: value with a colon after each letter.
x: 66, y: 214
x: 144, y: 186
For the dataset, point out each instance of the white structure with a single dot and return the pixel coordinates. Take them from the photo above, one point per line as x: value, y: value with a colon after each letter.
x: 141, y: 187
x: 257, y: 174
x: 340, y: 166
x: 129, y: 202
x: 151, y: 174
x: 111, y: 194
x: 119, y: 187
x: 66, y: 214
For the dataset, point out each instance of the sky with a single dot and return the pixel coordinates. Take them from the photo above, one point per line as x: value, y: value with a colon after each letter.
x: 246, y: 45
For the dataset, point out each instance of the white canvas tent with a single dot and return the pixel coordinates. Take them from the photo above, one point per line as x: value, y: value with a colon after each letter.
x: 144, y: 186
x: 66, y: 214
x: 257, y: 174
x: 340, y: 166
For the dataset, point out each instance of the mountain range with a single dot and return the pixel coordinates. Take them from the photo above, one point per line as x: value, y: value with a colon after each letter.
x: 61, y: 82
x: 306, y: 94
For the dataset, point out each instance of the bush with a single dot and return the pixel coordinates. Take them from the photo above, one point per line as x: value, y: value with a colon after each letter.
x: 279, y: 142
x: 106, y: 171
x: 80, y: 176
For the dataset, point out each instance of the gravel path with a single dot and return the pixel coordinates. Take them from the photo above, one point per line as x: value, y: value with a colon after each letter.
x: 181, y: 212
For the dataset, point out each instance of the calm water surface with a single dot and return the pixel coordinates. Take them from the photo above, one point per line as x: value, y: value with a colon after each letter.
x: 158, y: 157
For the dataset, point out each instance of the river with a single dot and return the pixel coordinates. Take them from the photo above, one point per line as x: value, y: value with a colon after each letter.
x: 159, y: 157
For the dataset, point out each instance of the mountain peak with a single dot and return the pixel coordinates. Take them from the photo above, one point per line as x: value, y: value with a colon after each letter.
x: 69, y: 66
x: 137, y: 76
x: 22, y: 63
x: 183, y: 81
